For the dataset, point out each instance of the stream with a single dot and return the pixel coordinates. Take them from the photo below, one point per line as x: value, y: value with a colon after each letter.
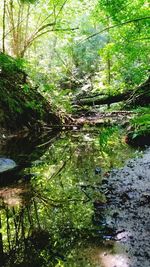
x: 54, y: 203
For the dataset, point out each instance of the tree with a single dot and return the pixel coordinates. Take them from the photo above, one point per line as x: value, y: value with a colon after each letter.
x: 4, y: 18
x: 129, y: 33
x: 28, y: 20
x: 100, y: 44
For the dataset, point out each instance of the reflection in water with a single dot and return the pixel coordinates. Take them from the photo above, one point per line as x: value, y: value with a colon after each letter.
x: 26, y: 148
x: 12, y: 196
x: 109, y: 256
x: 114, y: 260
x: 53, y: 217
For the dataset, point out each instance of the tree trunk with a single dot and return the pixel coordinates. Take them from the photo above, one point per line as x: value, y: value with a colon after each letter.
x: 4, y: 26
x: 108, y: 58
x: 139, y: 96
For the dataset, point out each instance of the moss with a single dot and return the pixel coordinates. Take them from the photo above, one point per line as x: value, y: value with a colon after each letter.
x: 20, y: 103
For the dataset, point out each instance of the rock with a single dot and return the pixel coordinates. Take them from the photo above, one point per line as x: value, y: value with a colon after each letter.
x: 6, y: 164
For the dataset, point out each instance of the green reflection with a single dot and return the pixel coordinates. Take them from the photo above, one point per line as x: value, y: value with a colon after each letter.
x: 54, y: 216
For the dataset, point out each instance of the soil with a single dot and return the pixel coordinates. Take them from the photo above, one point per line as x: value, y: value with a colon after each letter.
x: 128, y: 204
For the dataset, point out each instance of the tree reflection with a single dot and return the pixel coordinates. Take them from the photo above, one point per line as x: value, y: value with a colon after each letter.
x: 26, y: 241
x: 59, y: 211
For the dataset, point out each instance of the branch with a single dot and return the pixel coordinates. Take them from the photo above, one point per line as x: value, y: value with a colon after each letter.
x: 41, y: 23
x: 45, y: 26
x: 61, y: 8
x: 114, y: 26
x: 37, y: 33
x: 66, y: 29
x: 30, y: 41
x: 51, y: 30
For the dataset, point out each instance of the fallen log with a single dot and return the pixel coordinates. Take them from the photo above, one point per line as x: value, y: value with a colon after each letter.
x: 138, y: 96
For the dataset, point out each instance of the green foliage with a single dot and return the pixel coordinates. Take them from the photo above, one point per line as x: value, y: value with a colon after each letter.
x: 28, y: 1
x: 106, y: 135
x: 78, y: 46
x: 127, y: 47
x: 141, y: 123
x: 18, y: 98
x: 9, y: 65
x: 112, y: 146
x: 34, y: 105
x: 85, y: 54
x: 26, y: 88
x: 60, y: 99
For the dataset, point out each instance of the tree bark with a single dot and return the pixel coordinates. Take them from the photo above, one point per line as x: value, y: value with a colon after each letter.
x: 4, y: 26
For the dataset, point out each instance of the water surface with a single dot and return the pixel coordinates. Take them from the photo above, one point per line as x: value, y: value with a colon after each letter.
x: 53, y: 207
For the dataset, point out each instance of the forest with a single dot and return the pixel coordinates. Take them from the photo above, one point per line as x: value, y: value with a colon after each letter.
x: 74, y: 133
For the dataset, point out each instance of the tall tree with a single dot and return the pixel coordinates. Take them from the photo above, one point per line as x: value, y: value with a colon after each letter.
x: 4, y: 26
x: 28, y: 20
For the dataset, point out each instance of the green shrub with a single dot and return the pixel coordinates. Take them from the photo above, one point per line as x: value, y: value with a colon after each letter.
x: 139, y: 131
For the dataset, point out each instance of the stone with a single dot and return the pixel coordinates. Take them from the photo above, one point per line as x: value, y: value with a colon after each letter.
x: 6, y: 164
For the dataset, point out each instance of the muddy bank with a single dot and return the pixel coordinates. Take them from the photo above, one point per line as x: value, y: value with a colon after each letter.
x: 128, y: 205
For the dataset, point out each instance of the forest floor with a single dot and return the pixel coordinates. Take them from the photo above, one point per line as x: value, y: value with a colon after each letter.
x: 128, y: 201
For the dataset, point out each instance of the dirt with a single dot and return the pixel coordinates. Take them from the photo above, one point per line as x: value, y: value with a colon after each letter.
x: 128, y: 205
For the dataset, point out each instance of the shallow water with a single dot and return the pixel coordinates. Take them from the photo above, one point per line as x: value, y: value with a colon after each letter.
x: 53, y: 206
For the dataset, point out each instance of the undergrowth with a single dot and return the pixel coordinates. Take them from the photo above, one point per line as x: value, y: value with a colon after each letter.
x: 139, y: 129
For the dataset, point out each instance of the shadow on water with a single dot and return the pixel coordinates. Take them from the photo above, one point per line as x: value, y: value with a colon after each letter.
x: 57, y: 217
x: 24, y: 149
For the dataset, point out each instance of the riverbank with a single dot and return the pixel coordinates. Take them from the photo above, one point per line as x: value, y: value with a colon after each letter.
x: 128, y: 203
